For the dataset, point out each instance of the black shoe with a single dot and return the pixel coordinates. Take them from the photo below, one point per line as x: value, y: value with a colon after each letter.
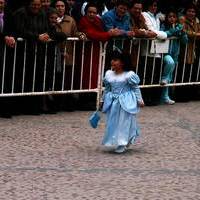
x: 31, y: 112
x: 35, y: 113
x: 151, y: 103
x: 6, y: 115
x: 48, y: 111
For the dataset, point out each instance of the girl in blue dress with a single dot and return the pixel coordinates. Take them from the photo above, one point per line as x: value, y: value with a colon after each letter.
x: 122, y: 99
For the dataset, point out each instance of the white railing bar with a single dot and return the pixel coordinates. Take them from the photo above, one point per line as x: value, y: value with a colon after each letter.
x: 14, y: 66
x: 138, y: 56
x: 161, y: 68
x: 4, y: 67
x: 184, y: 63
x: 34, y: 70
x: 24, y: 66
x: 64, y: 66
x: 91, y: 64
x: 198, y: 71
x: 54, y: 66
x: 153, y: 70
x: 82, y: 64
x: 145, y: 65
x: 49, y: 92
x: 45, y: 68
x: 73, y: 65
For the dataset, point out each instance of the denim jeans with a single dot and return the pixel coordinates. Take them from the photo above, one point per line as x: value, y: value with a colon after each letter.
x: 169, y: 66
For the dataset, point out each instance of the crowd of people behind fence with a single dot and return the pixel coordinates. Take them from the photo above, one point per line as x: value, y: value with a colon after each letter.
x: 100, y: 20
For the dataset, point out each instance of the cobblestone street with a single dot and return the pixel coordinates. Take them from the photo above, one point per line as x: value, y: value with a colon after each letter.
x: 60, y: 157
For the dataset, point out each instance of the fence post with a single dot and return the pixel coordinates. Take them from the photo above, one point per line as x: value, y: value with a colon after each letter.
x: 102, y: 57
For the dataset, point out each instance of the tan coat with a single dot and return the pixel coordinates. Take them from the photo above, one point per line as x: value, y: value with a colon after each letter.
x: 191, y: 29
x: 136, y: 26
x: 69, y: 27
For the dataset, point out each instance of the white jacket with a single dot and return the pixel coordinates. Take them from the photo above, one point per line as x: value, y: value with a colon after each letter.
x: 153, y: 23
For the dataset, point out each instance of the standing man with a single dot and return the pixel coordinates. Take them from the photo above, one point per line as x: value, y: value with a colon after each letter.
x: 138, y: 25
x: 118, y: 18
x: 14, y: 5
x: 153, y: 23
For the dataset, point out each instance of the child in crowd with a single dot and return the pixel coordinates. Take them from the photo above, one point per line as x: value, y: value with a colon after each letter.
x: 182, y: 19
x: 172, y: 28
x: 53, y: 57
x: 122, y: 99
x: 54, y: 32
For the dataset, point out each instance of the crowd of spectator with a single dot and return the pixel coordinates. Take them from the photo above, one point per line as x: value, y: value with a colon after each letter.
x: 29, y: 19
x: 101, y: 20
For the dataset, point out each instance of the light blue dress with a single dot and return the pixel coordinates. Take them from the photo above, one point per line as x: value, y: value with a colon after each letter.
x: 121, y: 97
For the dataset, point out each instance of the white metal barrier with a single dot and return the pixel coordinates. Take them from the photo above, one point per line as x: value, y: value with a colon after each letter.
x: 45, y: 68
x: 150, y: 67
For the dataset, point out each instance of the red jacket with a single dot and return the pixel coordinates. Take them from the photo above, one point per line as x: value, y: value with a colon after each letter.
x: 93, y: 30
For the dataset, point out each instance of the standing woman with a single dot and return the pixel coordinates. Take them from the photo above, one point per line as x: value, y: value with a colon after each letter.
x: 122, y: 99
x: 46, y: 5
x: 74, y: 9
x: 6, y: 38
x: 31, y: 23
x: 101, y: 6
x: 192, y: 28
x: 93, y: 27
x: 67, y: 25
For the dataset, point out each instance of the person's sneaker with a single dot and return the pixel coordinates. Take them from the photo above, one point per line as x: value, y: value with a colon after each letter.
x: 169, y: 102
x: 120, y: 149
x: 6, y: 115
x: 163, y: 82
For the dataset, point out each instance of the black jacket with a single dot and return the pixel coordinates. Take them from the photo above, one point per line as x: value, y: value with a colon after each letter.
x: 28, y: 25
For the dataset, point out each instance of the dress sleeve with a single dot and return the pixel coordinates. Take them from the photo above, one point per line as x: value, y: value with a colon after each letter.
x: 107, y: 94
x: 134, y: 80
x: 107, y: 87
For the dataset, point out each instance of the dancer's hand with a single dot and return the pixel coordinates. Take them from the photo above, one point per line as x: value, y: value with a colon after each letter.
x: 141, y: 103
x: 100, y: 105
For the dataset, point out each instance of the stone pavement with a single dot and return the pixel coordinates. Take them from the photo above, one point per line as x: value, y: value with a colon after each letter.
x: 59, y: 157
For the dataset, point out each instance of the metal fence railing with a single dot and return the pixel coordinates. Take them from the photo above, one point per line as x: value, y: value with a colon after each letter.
x: 78, y: 66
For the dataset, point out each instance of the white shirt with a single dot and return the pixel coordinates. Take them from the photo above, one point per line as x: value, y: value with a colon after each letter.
x: 153, y: 23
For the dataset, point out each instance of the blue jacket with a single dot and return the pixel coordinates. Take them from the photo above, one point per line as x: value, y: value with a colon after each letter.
x: 174, y: 48
x: 111, y: 20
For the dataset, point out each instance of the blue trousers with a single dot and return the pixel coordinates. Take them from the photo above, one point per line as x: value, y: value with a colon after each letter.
x: 167, y: 75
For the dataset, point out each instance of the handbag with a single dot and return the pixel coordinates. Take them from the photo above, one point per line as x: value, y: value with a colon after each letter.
x: 159, y: 46
x: 94, y: 119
